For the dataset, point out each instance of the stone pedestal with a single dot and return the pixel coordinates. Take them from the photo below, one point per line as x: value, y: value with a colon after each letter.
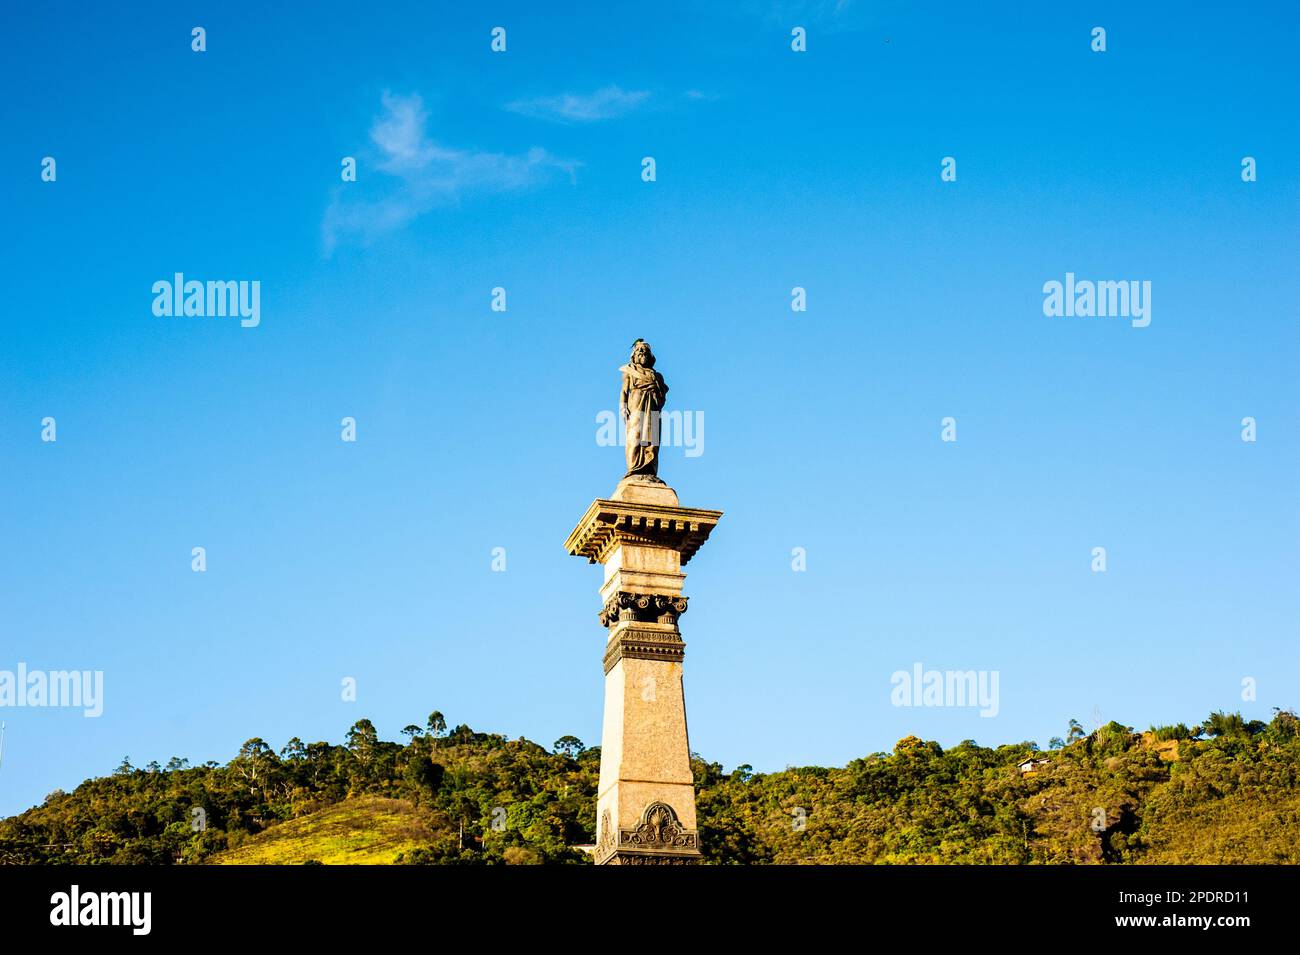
x: 645, y: 810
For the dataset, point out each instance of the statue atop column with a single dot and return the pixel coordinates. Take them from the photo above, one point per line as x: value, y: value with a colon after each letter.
x: 642, y: 537
x: 641, y: 402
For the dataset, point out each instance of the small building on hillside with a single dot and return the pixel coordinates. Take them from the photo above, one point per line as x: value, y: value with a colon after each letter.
x: 1032, y: 764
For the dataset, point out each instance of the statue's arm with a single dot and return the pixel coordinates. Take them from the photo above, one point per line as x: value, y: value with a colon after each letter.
x: 622, y: 397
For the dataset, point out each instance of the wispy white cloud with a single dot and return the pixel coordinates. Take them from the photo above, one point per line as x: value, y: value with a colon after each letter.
x: 399, y: 132
x: 419, y: 174
x: 608, y: 103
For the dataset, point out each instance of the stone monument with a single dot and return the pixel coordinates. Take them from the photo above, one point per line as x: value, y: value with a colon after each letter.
x: 645, y: 807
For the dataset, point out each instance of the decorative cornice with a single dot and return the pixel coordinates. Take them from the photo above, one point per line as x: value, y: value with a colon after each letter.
x: 607, y: 524
x: 634, y: 643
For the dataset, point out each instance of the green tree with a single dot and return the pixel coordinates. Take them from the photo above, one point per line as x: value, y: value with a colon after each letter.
x: 424, y: 778
x: 294, y: 751
x: 362, y: 740
x: 1224, y: 724
x: 570, y: 746
x: 1076, y: 732
x: 253, y: 759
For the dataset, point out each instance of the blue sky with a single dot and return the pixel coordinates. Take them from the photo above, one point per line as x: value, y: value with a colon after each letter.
x: 476, y: 429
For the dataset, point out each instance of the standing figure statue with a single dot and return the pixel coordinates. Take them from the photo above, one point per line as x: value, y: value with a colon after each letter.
x: 644, y: 391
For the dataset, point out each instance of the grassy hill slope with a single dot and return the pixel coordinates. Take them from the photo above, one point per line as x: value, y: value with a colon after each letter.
x: 368, y: 830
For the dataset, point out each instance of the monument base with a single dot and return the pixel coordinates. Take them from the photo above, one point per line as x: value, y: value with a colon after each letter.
x: 640, y: 490
x: 656, y: 838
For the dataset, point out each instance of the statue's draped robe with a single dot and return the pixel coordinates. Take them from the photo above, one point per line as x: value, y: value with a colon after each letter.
x: 646, y: 391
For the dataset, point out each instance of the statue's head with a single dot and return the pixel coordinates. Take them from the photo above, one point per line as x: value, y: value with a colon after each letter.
x: 641, y: 353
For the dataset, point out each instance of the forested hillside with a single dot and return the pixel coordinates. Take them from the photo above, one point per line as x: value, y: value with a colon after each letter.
x: 1226, y: 791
